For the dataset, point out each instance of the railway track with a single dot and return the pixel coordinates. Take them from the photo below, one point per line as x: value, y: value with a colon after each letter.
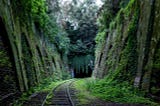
x: 62, y: 96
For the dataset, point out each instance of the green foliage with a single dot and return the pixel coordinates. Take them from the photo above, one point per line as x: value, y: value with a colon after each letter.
x: 128, y: 56
x: 116, y: 86
x: 132, y: 7
x: 128, y: 62
x: 113, y: 91
x: 36, y: 11
x: 110, y: 91
x: 82, y: 39
x: 47, y: 85
x: 100, y: 37
x: 83, y: 86
x: 66, y: 75
x: 89, y: 83
x: 50, y: 29
x: 80, y: 48
x: 81, y: 26
x: 4, y: 57
x: 62, y: 41
x: 124, y: 3
x: 106, y: 20
x: 106, y: 15
x: 155, y: 87
x: 4, y: 60
x: 132, y: 44
x: 120, y: 17
x: 156, y: 64
x: 27, y: 61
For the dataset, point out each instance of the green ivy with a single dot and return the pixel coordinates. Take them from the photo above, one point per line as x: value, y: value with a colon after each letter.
x: 4, y: 59
x: 36, y: 12
x: 128, y: 62
x: 100, y: 36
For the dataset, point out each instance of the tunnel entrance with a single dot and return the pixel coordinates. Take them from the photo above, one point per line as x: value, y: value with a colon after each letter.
x: 81, y: 66
x: 83, y: 74
x: 7, y: 66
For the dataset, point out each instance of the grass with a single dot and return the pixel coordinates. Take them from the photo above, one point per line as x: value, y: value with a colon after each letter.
x: 90, y: 89
x: 110, y: 91
x: 120, y: 92
x: 83, y: 95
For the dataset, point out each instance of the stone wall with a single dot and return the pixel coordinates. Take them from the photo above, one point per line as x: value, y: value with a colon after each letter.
x: 131, y: 46
x: 30, y: 58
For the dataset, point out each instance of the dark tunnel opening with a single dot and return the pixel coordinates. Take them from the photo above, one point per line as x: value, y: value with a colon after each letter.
x: 81, y: 66
x: 83, y: 74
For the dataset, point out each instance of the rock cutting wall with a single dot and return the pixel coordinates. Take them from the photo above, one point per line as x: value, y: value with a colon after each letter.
x: 26, y: 57
x: 130, y: 49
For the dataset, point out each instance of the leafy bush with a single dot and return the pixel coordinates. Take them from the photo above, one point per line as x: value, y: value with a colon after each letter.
x: 89, y: 84
x: 111, y: 91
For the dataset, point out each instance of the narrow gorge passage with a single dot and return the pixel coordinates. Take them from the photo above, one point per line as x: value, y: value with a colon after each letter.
x: 110, y: 49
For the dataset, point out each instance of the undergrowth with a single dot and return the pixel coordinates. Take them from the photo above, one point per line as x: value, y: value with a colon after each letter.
x: 115, y: 91
x: 110, y: 91
x: 83, y: 95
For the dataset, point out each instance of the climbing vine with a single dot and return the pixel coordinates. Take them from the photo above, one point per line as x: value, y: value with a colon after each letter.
x: 128, y: 62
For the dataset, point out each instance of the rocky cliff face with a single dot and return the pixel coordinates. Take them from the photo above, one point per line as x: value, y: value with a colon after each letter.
x: 26, y: 57
x: 129, y: 50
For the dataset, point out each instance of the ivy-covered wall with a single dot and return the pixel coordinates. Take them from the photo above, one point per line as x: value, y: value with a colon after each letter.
x: 128, y: 49
x: 7, y: 69
x: 27, y: 57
